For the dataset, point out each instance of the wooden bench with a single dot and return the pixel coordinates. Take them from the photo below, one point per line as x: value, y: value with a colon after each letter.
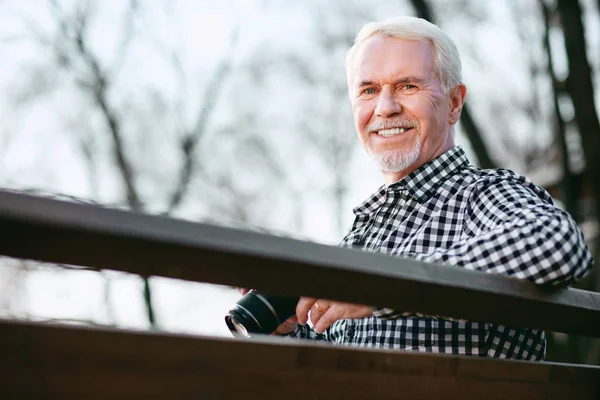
x: 66, y: 361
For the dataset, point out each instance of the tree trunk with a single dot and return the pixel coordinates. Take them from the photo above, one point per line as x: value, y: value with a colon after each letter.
x: 580, y: 87
x: 569, y: 187
x: 98, y: 90
x: 423, y: 10
x: 474, y: 135
x: 471, y: 129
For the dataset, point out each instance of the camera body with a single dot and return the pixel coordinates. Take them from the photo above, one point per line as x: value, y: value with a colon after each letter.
x: 260, y: 313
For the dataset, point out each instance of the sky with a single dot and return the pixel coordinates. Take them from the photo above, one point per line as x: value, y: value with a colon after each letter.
x: 161, y: 86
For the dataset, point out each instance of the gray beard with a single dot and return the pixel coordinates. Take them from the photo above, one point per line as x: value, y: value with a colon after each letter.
x: 397, y: 160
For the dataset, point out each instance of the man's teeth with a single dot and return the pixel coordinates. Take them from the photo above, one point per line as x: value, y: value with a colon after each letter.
x: 392, y: 132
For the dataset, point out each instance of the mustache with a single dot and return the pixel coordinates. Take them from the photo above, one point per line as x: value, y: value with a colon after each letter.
x: 390, y: 124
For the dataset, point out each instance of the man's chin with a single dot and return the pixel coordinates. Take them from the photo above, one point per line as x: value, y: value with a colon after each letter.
x: 395, y: 160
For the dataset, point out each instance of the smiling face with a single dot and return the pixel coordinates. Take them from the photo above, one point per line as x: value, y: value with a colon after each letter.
x: 401, y: 114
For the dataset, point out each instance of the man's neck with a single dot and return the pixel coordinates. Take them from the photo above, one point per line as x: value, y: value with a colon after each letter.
x: 393, y: 177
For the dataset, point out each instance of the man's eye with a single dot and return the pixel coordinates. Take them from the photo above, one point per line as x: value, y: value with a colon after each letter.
x: 409, y: 87
x: 369, y: 91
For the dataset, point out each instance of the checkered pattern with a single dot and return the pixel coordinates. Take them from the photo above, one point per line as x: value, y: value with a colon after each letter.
x: 450, y: 212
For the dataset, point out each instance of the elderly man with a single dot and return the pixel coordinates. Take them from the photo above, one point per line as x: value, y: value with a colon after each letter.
x: 404, y: 83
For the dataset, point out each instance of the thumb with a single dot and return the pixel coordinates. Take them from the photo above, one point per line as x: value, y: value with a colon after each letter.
x: 287, y: 326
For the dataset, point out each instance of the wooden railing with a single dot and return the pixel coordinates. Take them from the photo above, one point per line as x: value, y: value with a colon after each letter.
x: 62, y: 361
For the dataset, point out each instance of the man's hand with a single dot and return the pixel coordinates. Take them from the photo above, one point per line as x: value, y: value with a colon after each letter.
x: 323, y: 313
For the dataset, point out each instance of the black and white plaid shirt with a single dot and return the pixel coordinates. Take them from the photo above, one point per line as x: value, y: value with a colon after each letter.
x: 448, y: 211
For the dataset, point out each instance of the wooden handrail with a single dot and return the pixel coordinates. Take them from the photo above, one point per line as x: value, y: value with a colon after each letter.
x: 60, y: 362
x: 57, y: 231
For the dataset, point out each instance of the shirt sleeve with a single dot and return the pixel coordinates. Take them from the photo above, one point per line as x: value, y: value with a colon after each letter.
x: 513, y: 230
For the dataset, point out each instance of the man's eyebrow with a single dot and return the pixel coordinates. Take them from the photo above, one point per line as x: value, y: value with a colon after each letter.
x: 409, y: 79
x: 403, y: 80
x: 365, y: 83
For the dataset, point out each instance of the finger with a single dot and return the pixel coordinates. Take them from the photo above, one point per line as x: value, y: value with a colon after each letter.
x: 287, y: 327
x: 317, y: 310
x: 303, y: 307
x: 327, y: 318
x: 242, y: 290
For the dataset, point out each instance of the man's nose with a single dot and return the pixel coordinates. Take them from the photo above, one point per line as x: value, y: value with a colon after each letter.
x: 387, y: 104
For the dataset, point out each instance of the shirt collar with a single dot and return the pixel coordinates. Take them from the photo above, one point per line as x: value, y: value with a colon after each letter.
x: 422, y: 182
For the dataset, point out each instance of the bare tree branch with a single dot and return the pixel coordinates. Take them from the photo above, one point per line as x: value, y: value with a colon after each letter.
x: 570, y: 189
x: 100, y: 82
x: 73, y: 32
x: 72, y: 35
x: 191, y: 139
x: 128, y: 34
x: 581, y: 89
x: 471, y: 129
x: 108, y: 304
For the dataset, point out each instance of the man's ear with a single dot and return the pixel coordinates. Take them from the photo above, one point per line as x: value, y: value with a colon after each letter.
x: 457, y: 101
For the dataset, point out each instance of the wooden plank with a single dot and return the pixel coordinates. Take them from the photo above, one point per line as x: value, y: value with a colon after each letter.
x: 55, y: 361
x: 57, y: 231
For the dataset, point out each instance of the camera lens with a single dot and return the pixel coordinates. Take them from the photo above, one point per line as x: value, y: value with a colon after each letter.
x: 237, y: 326
x: 257, y: 312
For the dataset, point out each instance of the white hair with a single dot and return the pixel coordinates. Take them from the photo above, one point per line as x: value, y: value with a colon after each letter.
x: 447, y: 64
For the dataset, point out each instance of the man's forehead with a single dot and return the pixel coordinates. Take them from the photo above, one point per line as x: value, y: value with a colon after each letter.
x: 381, y: 54
x: 380, y: 45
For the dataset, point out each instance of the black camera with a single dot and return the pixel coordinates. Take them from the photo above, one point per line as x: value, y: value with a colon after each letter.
x: 257, y: 312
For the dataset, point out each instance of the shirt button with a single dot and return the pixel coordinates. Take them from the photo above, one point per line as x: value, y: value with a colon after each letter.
x: 350, y: 333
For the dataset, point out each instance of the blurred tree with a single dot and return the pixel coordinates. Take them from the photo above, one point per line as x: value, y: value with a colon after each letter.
x: 570, y: 186
x: 97, y: 81
x: 537, y: 149
x: 581, y: 90
x: 333, y: 137
x: 73, y: 51
x: 319, y: 110
x: 423, y: 10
